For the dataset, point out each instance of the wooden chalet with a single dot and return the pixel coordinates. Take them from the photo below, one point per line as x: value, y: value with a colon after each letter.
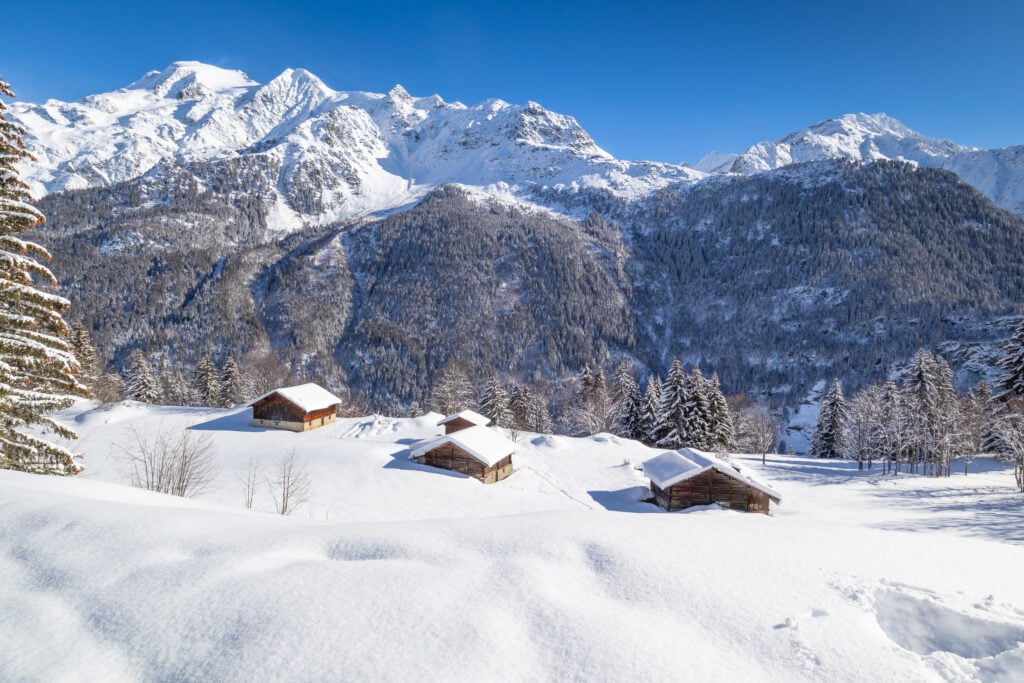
x: 297, y: 409
x: 680, y: 479
x: 477, y: 451
x: 463, y: 420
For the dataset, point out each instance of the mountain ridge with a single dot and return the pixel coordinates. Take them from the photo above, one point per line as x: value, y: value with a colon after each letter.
x: 361, y: 153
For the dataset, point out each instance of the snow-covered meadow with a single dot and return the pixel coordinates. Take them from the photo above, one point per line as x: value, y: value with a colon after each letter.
x: 397, y: 571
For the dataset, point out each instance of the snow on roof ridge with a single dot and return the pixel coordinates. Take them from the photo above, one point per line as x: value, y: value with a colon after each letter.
x: 483, y: 443
x: 468, y: 415
x: 671, y: 467
x: 309, y: 396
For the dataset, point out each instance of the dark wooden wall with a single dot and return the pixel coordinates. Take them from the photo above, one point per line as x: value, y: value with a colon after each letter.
x: 451, y: 457
x: 274, y: 407
x: 457, y: 424
x: 712, y: 487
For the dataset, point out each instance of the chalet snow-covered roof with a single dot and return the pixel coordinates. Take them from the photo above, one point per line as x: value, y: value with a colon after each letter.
x: 467, y: 415
x: 672, y: 467
x: 308, y: 397
x: 483, y: 443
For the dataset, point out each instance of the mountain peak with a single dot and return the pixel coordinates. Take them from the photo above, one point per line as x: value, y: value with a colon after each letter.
x: 184, y: 76
x: 860, y: 137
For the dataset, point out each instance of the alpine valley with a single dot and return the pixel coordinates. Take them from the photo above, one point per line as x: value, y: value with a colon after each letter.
x: 368, y: 239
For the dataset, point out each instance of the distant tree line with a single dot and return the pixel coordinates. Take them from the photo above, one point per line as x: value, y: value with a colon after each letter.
x: 919, y: 423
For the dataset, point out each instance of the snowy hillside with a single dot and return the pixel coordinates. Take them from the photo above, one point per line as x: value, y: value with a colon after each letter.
x: 558, y: 572
x: 326, y: 154
x: 998, y: 173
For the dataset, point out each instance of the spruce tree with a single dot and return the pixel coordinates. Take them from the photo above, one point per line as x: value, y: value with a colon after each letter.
x: 1010, y: 384
x: 520, y: 404
x: 722, y: 429
x: 207, y: 384
x: 140, y: 384
x: 540, y: 417
x: 494, y: 403
x: 827, y: 441
x: 628, y: 404
x: 671, y: 428
x: 85, y: 353
x: 232, y: 384
x: 651, y: 406
x: 38, y: 369
x: 697, y: 416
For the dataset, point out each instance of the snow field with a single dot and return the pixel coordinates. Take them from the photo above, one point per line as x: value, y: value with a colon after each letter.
x: 558, y: 572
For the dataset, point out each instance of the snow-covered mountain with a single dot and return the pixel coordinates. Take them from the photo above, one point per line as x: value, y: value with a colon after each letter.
x: 326, y: 154
x: 997, y: 173
x: 317, y: 155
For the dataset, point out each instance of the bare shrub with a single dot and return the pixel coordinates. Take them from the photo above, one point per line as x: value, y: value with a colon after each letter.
x: 249, y: 481
x: 179, y: 463
x: 290, y: 485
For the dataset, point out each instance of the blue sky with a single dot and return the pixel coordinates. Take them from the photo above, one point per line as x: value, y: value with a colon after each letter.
x: 667, y: 81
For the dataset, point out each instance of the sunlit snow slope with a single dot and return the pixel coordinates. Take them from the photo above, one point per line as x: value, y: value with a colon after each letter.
x: 397, y: 571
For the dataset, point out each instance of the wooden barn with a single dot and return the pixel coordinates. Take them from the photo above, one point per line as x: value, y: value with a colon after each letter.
x: 680, y: 479
x: 477, y: 451
x: 463, y: 420
x: 297, y: 409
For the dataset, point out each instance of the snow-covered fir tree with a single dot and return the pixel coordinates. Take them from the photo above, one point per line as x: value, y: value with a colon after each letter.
x: 1010, y: 384
x: 722, y: 430
x: 38, y: 369
x: 540, y: 416
x: 592, y: 410
x: 651, y: 407
x: 207, y: 382
x: 140, y: 384
x: 233, y: 387
x: 827, y: 441
x: 671, y: 427
x: 697, y: 417
x: 85, y: 352
x: 181, y: 391
x: 494, y: 403
x: 628, y: 404
x: 520, y: 404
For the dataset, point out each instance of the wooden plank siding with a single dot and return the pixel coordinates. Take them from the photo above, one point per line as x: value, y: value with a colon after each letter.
x: 451, y: 457
x: 277, y: 411
x: 712, y: 487
x: 456, y: 425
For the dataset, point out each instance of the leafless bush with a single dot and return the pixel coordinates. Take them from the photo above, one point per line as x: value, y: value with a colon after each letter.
x: 249, y: 481
x: 178, y: 463
x: 290, y: 485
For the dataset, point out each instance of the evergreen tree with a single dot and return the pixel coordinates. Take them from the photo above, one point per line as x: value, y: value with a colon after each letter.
x: 141, y: 385
x: 540, y: 417
x: 722, y: 429
x: 85, y: 353
x: 697, y: 412
x: 628, y: 404
x: 520, y: 404
x: 207, y: 384
x: 232, y: 384
x: 651, y: 407
x: 181, y: 392
x: 671, y: 426
x: 1010, y: 384
x: 827, y: 441
x: 494, y: 403
x: 38, y: 368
